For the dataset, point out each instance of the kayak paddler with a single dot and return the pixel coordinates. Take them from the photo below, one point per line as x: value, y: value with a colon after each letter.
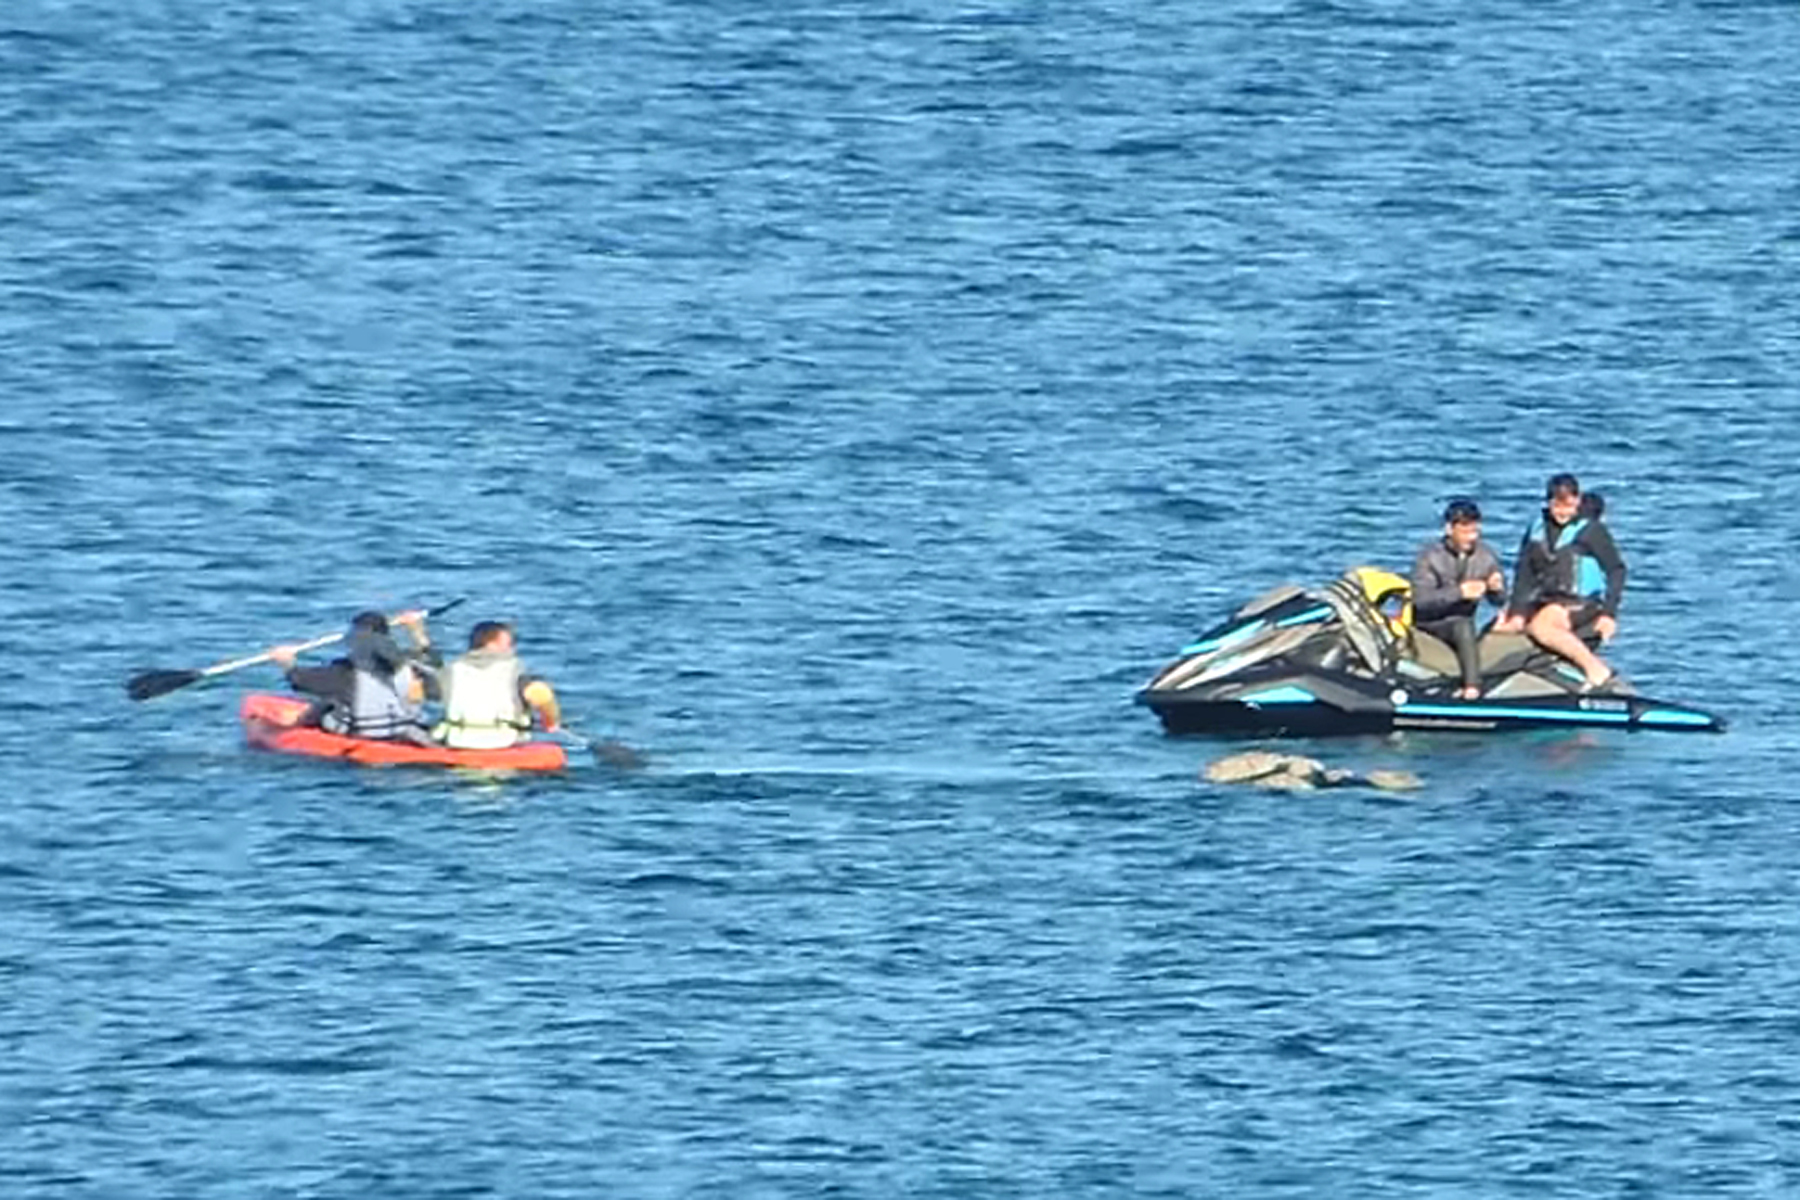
x: 376, y: 689
x: 489, y: 699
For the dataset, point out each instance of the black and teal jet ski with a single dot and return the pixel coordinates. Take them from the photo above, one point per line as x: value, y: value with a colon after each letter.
x: 1344, y: 659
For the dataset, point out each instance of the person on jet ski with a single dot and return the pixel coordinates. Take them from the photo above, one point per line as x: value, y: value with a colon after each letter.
x: 489, y: 700
x: 1569, y: 580
x: 1450, y: 577
x: 377, y: 688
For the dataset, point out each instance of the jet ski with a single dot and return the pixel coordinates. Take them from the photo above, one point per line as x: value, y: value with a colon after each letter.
x: 1344, y: 658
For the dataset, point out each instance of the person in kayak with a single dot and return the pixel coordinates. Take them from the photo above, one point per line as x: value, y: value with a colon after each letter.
x: 377, y: 689
x: 489, y: 700
x: 1569, y: 580
x: 1450, y: 577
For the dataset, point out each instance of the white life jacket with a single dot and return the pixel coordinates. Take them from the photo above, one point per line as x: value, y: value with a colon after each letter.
x: 482, y: 706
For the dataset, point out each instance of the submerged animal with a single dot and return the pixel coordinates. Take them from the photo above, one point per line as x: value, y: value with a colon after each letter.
x: 1294, y: 772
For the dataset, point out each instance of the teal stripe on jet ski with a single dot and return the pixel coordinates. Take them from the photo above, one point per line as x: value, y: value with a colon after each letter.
x: 1305, y: 618
x: 1281, y: 695
x: 1224, y: 639
x: 1671, y: 716
x: 1577, y: 716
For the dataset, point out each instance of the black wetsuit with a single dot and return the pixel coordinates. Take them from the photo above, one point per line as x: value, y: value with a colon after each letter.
x: 1439, y: 607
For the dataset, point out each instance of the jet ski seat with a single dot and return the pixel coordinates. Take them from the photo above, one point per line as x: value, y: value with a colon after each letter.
x: 1504, y: 651
x: 1499, y: 652
x: 1434, y: 654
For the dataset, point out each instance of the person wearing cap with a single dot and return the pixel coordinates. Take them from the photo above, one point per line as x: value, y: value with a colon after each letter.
x: 1450, y: 577
x: 377, y: 688
x: 1569, y: 580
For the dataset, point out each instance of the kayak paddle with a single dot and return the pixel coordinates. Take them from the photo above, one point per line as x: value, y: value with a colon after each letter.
x: 608, y: 752
x: 147, y: 685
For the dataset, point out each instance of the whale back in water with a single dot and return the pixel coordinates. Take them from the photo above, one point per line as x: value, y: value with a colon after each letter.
x: 1294, y: 772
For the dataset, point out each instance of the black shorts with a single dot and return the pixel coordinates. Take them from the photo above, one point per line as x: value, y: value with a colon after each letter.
x: 1583, y: 610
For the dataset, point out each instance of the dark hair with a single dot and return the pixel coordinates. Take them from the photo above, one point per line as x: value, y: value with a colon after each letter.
x: 486, y: 632
x: 1593, y: 505
x: 368, y: 621
x: 1460, y: 510
x: 1564, y: 484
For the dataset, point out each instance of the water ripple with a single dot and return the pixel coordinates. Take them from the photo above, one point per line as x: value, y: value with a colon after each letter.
x: 853, y: 408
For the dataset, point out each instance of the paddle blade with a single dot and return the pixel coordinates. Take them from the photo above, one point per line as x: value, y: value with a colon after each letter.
x: 148, y: 684
x: 617, y: 754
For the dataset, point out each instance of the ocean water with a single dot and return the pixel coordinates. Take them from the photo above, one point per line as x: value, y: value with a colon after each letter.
x: 853, y: 405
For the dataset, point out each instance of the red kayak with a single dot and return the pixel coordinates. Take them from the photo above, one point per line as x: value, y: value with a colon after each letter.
x: 270, y: 723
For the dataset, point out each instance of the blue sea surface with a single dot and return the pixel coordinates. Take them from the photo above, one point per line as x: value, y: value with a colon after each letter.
x: 853, y: 405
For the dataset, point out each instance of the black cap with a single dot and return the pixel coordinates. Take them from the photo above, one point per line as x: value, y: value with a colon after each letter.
x: 1460, y: 510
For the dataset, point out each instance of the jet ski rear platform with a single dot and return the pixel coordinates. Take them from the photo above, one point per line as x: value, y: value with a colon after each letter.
x: 1308, y: 662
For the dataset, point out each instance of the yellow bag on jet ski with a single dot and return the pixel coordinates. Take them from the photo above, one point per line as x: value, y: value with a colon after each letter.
x: 1388, y: 594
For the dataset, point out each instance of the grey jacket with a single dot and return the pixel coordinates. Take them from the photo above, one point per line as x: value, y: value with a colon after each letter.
x: 1438, y: 570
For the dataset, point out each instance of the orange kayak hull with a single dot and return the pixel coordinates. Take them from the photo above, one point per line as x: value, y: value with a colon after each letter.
x: 271, y: 723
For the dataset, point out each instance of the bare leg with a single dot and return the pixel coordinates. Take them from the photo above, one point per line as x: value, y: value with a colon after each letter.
x: 1550, y: 629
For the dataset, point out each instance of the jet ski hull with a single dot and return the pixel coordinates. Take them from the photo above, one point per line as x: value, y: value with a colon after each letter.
x: 1188, y: 714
